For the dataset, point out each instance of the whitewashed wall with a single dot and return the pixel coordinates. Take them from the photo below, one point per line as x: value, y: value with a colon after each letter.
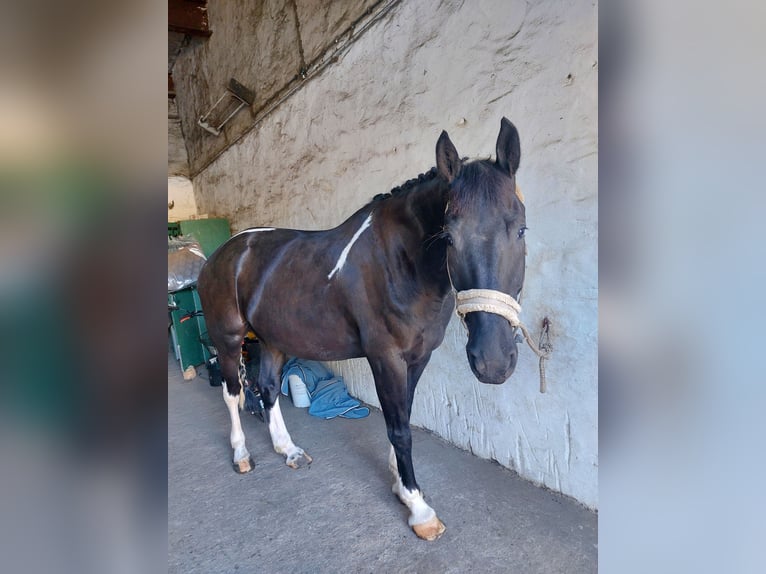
x: 371, y: 120
x: 181, y: 197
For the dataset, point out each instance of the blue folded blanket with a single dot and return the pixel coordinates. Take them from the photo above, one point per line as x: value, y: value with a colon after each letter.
x: 329, y: 397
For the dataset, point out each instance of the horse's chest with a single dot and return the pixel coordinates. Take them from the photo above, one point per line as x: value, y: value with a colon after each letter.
x: 425, y: 327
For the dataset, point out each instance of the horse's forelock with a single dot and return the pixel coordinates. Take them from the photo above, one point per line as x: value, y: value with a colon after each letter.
x: 478, y: 186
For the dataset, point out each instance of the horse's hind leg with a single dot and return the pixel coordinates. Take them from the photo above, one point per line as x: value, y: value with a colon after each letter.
x: 269, y: 378
x: 229, y: 358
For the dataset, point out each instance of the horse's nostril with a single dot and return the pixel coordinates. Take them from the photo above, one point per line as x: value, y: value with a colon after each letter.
x: 476, y: 360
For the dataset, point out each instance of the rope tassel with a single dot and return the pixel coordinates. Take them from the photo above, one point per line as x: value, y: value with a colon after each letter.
x: 499, y: 303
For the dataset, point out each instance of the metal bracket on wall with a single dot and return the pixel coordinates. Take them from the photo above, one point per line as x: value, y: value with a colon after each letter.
x: 233, y: 99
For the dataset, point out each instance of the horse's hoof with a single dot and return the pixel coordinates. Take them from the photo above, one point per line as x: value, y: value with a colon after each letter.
x: 430, y: 530
x: 243, y: 466
x: 298, y: 459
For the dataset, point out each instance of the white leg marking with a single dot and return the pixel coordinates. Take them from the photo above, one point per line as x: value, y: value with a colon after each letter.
x: 420, y: 512
x: 281, y: 440
x: 255, y: 230
x: 237, y: 436
x: 342, y: 259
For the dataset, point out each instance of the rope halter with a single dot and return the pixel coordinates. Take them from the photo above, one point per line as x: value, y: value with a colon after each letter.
x: 490, y: 301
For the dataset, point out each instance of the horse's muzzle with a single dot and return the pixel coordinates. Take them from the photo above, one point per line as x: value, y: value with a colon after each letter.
x: 490, y: 317
x: 491, y: 368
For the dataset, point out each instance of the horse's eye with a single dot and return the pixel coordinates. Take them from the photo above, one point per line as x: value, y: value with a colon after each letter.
x: 448, y: 239
x: 522, y: 230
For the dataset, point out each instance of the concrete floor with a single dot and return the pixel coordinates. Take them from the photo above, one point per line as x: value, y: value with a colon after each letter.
x: 339, y: 514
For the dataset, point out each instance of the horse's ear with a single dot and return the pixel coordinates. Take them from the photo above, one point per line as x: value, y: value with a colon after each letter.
x: 447, y: 160
x: 508, y: 147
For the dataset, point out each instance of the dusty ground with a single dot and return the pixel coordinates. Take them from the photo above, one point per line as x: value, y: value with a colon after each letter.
x: 339, y: 514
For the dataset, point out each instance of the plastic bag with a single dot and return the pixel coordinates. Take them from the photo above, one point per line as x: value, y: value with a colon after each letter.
x: 185, y: 260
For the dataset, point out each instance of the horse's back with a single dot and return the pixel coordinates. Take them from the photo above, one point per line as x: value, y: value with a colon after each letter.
x: 277, y: 282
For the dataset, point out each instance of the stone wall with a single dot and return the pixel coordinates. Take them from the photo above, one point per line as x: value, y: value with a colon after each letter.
x: 370, y: 121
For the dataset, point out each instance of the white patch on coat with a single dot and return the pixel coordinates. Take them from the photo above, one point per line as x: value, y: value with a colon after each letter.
x: 344, y: 254
x: 420, y: 512
x: 255, y: 230
x: 237, y: 436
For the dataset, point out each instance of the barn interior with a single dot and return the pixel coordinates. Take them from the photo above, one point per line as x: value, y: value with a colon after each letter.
x: 294, y: 113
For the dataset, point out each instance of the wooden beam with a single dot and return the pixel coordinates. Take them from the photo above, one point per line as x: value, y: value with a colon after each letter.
x: 188, y: 17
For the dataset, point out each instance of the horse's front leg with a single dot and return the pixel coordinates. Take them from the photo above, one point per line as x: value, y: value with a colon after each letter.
x: 392, y: 382
x: 268, y: 383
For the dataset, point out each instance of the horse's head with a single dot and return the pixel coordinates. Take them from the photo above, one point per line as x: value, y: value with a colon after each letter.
x: 484, y: 227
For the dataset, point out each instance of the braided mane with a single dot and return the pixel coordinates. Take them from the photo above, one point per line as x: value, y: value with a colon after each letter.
x: 407, y: 185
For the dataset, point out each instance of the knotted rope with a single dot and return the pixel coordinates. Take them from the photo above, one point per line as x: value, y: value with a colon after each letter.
x: 499, y: 303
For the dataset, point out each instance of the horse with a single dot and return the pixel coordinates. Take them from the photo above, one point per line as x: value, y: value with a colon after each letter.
x: 381, y: 285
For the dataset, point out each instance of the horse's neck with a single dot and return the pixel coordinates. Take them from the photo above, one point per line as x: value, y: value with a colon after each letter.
x: 426, y: 206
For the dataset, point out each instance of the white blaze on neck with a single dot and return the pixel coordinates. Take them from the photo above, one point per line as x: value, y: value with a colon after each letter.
x: 255, y: 230
x: 344, y: 254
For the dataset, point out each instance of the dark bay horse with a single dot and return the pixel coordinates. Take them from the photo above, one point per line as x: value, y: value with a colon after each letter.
x: 381, y: 285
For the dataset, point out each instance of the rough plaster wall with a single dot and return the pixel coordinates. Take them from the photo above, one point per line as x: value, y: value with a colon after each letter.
x: 260, y: 44
x: 371, y: 121
x: 178, y: 162
x: 180, y: 189
x: 254, y: 42
x: 181, y: 197
x: 321, y: 22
